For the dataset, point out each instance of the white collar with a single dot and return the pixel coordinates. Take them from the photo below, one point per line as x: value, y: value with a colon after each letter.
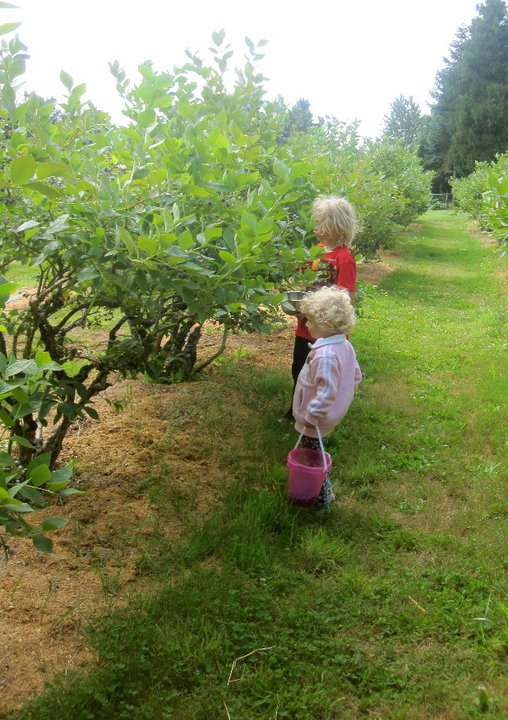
x: 332, y: 340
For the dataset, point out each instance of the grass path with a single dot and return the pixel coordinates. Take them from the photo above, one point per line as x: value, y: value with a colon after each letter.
x: 393, y: 606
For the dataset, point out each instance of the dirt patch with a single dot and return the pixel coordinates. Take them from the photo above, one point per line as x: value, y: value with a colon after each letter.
x: 20, y: 299
x: 49, y: 598
x: 374, y: 271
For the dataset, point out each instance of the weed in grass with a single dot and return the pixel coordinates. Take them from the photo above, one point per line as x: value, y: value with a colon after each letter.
x: 110, y: 582
x: 320, y: 553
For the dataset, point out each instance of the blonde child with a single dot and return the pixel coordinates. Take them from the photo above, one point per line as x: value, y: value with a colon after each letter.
x: 335, y: 227
x: 330, y: 376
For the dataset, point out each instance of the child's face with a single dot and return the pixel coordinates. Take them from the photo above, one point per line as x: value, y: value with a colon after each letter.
x: 316, y: 331
x: 325, y: 237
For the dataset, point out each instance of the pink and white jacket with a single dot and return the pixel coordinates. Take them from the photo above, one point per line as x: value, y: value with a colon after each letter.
x: 326, y: 385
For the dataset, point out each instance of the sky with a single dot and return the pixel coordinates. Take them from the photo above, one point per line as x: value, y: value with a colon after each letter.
x: 349, y: 59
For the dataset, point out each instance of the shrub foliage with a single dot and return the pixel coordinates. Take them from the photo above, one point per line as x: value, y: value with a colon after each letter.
x: 193, y: 211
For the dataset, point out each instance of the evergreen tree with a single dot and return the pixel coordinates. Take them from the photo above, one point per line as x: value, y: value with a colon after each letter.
x: 469, y: 121
x: 298, y: 119
x: 404, y: 122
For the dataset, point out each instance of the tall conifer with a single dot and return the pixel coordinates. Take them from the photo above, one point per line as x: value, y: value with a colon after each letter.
x: 469, y: 120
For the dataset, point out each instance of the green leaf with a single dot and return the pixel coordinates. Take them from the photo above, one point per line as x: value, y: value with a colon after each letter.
x: 219, y: 140
x: 26, y: 367
x: 157, y: 176
x: 22, y: 441
x: 6, y: 460
x: 10, y: 503
x: 6, y: 289
x: 69, y: 491
x: 27, y: 408
x: 185, y: 240
x: 40, y: 475
x: 163, y: 101
x: 4, y: 495
x: 44, y: 361
x: 146, y: 117
x: 67, y: 80
x: 62, y: 474
x: 44, y: 189
x: 125, y: 237
x: 176, y: 252
x: 51, y: 169
x: 42, y: 358
x: 212, y: 233
x: 218, y: 37
x: 228, y: 257
x: 148, y: 245
x: 33, y: 495
x: 92, y: 412
x: 15, y: 489
x: 42, y: 459
x: 22, y: 169
x: 198, y: 191
x: 5, y: 418
x: 28, y: 225
x: 59, y: 224
x: 42, y: 543
x: 281, y: 169
x: 20, y: 395
x: 87, y: 274
x: 167, y: 239
x: 300, y: 169
x: 79, y: 90
x: 56, y: 486
x: 9, y: 27
x: 249, y: 223
x: 17, y: 506
x: 265, y: 225
x: 54, y: 523
x: 6, y: 388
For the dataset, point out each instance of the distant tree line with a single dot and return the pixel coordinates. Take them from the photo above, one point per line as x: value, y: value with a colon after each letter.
x: 468, y: 122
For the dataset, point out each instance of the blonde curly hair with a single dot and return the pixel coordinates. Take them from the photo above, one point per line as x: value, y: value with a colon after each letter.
x: 330, y: 310
x: 335, y: 217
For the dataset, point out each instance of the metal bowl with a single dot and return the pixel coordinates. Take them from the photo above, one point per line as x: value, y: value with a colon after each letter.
x: 292, y: 304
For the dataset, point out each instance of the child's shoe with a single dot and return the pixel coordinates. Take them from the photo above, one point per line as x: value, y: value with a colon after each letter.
x: 326, y: 498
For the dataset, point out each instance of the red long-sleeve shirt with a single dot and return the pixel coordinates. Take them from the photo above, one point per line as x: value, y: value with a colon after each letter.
x: 337, y: 267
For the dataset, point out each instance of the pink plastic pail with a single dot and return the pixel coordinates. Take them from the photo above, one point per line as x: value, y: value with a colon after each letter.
x: 307, y: 473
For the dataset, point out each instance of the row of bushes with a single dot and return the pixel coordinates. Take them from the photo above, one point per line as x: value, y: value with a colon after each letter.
x: 484, y: 196
x: 383, y: 180
x: 196, y: 210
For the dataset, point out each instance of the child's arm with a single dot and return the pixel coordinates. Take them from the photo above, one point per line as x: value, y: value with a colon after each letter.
x: 325, y: 373
x: 346, y: 277
x: 358, y: 376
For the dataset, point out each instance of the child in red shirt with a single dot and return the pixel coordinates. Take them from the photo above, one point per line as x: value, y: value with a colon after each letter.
x: 335, y: 229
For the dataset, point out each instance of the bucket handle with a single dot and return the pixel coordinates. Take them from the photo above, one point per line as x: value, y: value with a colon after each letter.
x: 320, y: 445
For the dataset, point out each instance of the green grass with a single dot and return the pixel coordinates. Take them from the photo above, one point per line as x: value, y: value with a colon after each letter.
x: 395, y: 605
x: 23, y: 275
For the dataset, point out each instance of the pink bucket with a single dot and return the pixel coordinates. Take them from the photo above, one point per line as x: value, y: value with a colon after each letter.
x: 307, y: 472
